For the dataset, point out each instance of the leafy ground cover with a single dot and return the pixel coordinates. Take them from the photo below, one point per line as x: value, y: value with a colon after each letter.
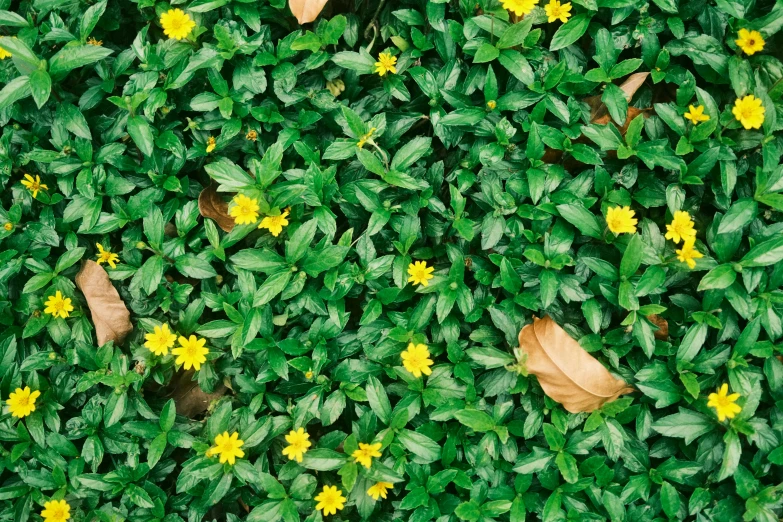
x: 408, y: 260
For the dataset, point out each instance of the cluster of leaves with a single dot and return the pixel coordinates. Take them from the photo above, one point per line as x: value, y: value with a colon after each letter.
x: 492, y: 152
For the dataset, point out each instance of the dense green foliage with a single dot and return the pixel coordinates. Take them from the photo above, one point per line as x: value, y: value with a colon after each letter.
x: 493, y: 153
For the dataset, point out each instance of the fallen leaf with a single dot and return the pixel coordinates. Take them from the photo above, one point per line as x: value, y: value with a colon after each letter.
x: 212, y: 205
x: 565, y: 371
x: 190, y: 399
x: 662, y: 332
x: 306, y: 11
x: 599, y: 114
x: 109, y: 314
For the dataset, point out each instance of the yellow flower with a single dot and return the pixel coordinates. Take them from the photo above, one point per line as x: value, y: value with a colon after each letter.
x: 275, y: 224
x: 309, y: 374
x: 696, y: 114
x: 160, y: 340
x: 420, y: 273
x: 681, y: 227
x: 385, y: 64
x: 227, y: 446
x: 557, y: 11
x: 491, y: 104
x: 365, y: 454
x: 191, y: 352
x: 749, y: 112
x: 621, y: 220
x: 56, y: 511
x: 337, y: 86
x: 176, y: 24
x: 330, y: 500
x: 4, y: 54
x: 724, y: 403
x: 210, y: 144
x: 519, y: 7
x: 251, y: 135
x: 93, y: 41
x: 58, y: 306
x: 245, y: 210
x: 34, y: 185
x: 22, y: 402
x: 8, y: 226
x: 379, y: 489
x: 416, y: 359
x: 689, y: 254
x: 105, y: 256
x: 750, y: 42
x: 364, y: 139
x: 297, y: 444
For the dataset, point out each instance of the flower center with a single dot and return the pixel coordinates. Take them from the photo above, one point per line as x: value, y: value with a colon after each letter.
x: 24, y: 401
x: 751, y: 42
x: 747, y: 112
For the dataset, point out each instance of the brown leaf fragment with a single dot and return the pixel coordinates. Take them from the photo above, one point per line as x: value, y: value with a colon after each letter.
x: 306, y: 11
x: 190, y: 399
x: 109, y: 314
x: 212, y: 205
x: 662, y: 332
x: 567, y: 373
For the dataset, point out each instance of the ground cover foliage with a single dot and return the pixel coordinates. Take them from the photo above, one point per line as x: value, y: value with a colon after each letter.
x: 257, y: 270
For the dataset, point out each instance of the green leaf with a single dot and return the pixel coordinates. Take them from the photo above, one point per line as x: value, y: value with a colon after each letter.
x: 687, y: 424
x: 141, y: 133
x: 720, y: 277
x: 40, y: 87
x: 486, y: 53
x: 69, y: 58
x: 584, y: 220
x: 475, y: 419
x: 15, y: 90
x: 570, y: 31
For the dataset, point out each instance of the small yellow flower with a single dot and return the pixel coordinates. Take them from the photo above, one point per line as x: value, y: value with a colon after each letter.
x: 251, y: 135
x: 176, y: 24
x: 519, y: 7
x: 491, y: 104
x: 420, y: 273
x: 696, y: 114
x: 337, y: 86
x: 681, y: 227
x: 385, y: 64
x: 245, y: 210
x: 416, y: 359
x: 33, y: 184
x: 58, y: 306
x: 366, y: 453
x: 688, y: 253
x: 379, y: 489
x: 227, y: 446
x: 3, y: 53
x: 22, y: 402
x: 749, y: 111
x: 309, y: 374
x: 105, y: 256
x: 210, y: 144
x: 330, y: 500
x: 367, y: 137
x: 56, y: 511
x: 191, y: 352
x: 8, y: 226
x: 93, y: 41
x: 557, y: 11
x: 724, y: 403
x: 621, y: 220
x: 297, y: 444
x: 750, y: 42
x: 160, y: 340
x: 275, y: 224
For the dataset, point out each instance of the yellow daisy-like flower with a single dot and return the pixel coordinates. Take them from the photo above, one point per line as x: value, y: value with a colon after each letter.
x: 275, y: 224
x: 251, y: 135
x: 297, y: 444
x: 227, y: 446
x: 688, y: 253
x: 621, y: 220
x: 696, y: 114
x: 191, y: 352
x: 724, y: 403
x: 33, y: 184
x: 210, y: 144
x: 420, y: 273
x: 379, y: 489
x: 160, y: 340
x: 557, y: 11
x: 176, y: 24
x: 681, y: 227
x: 22, y: 402
x: 105, y: 256
x: 56, y: 511
x: 750, y: 42
x: 366, y: 453
x: 8, y: 226
x: 58, y: 306
x: 245, y: 210
x: 749, y: 111
x: 416, y: 359
x: 367, y: 137
x: 330, y: 500
x: 519, y: 7
x: 385, y: 64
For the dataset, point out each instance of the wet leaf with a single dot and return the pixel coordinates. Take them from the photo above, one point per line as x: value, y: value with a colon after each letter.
x: 109, y: 314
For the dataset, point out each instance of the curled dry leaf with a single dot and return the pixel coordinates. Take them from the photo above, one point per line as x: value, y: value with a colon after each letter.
x: 212, y: 205
x: 190, y: 399
x: 566, y: 372
x: 109, y: 314
x: 662, y: 332
x: 306, y: 11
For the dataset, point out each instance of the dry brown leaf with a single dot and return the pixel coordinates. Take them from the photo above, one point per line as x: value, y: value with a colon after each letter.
x: 190, y: 399
x: 109, y: 314
x: 212, y: 205
x: 662, y: 332
x: 566, y: 372
x: 306, y: 11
